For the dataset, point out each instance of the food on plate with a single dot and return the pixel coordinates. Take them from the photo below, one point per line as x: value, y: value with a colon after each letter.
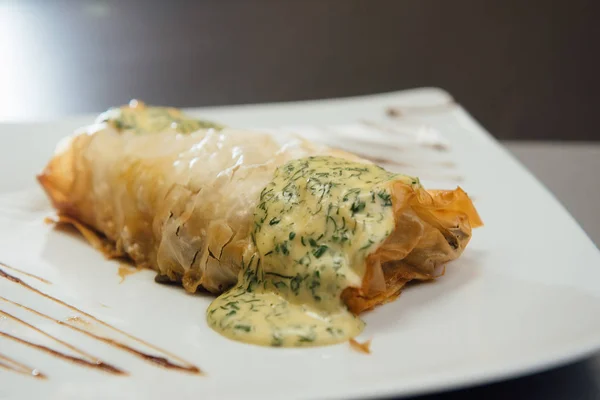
x: 297, y: 238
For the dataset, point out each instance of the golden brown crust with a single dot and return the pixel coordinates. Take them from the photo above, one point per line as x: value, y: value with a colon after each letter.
x: 417, y: 249
x: 96, y: 239
x: 432, y: 228
x: 364, y: 347
x: 53, y: 180
x: 448, y: 205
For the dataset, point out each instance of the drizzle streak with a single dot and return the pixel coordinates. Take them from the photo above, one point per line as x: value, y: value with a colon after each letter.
x: 75, y: 319
x: 162, y: 361
x: 71, y: 347
x: 26, y: 273
x: 20, y: 368
x: 80, y: 361
x: 181, y: 364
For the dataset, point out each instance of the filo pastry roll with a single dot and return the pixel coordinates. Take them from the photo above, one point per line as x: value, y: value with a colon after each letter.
x: 180, y: 196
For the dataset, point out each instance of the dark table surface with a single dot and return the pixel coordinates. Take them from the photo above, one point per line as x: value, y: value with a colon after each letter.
x: 527, y: 70
x: 577, y: 381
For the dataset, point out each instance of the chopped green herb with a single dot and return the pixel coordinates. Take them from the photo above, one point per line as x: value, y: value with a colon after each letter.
x: 386, y: 197
x: 245, y: 328
x: 295, y: 284
x: 277, y: 340
x: 367, y: 245
x: 357, y: 206
x: 310, y: 337
x: 320, y: 251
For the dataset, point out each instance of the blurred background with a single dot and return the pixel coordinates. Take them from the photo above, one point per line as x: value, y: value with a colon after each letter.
x: 525, y: 69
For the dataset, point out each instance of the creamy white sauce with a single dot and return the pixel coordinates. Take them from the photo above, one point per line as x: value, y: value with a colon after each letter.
x: 315, y: 224
x: 139, y: 118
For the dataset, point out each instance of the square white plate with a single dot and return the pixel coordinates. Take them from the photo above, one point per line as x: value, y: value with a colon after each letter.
x: 524, y: 296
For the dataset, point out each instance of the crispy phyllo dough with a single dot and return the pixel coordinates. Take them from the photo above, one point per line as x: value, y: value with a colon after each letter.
x: 432, y: 228
x: 175, y: 201
x: 178, y: 195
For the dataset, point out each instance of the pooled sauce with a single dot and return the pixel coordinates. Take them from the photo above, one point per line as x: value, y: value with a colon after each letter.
x: 165, y: 359
x: 315, y: 224
x: 139, y: 118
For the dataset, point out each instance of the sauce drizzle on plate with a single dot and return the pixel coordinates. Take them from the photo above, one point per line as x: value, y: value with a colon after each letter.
x: 39, y: 278
x: 165, y: 359
x: 13, y: 365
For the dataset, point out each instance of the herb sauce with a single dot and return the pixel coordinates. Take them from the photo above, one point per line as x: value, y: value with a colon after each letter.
x: 314, y: 226
x: 139, y: 118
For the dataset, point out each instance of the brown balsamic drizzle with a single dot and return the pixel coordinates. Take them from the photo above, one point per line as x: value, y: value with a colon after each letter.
x: 394, y: 112
x: 75, y: 319
x: 25, y: 273
x: 101, y: 365
x: 183, y: 365
x: 20, y: 368
x: 162, y: 361
x: 94, y: 363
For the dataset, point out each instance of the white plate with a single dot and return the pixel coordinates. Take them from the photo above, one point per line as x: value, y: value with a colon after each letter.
x: 523, y: 297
